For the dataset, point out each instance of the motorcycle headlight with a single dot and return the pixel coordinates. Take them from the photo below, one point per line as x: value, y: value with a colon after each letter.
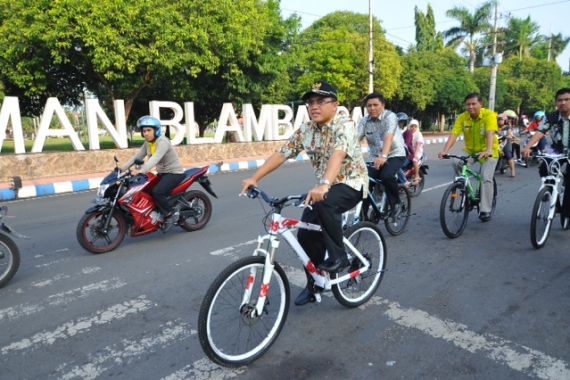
x: 101, y: 191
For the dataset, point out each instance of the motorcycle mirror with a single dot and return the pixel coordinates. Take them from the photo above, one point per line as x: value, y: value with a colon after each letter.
x: 138, y: 161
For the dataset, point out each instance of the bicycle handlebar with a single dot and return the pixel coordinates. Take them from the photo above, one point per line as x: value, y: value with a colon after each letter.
x: 462, y: 158
x: 255, y: 192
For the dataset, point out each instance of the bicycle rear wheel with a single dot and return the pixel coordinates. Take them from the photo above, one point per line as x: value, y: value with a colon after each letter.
x: 494, y: 204
x: 540, y: 224
x: 454, y: 210
x: 395, y: 226
x: 368, y: 240
x: 229, y: 332
x: 416, y: 189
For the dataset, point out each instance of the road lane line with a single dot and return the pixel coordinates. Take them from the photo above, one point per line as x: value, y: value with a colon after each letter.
x: 204, y: 369
x: 63, y: 276
x: 126, y: 352
x: 229, y: 251
x: 58, y: 299
x: 437, y: 187
x: 81, y: 325
x: 518, y: 357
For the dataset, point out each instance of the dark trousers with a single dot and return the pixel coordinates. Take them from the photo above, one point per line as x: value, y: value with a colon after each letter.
x: 328, y: 214
x: 160, y: 192
x: 387, y: 174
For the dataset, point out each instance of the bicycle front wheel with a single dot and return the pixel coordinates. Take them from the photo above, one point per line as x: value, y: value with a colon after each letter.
x: 368, y: 240
x: 395, y: 226
x: 230, y: 333
x: 454, y: 210
x: 540, y: 223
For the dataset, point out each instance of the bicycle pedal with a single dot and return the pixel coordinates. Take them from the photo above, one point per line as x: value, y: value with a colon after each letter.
x: 317, y: 297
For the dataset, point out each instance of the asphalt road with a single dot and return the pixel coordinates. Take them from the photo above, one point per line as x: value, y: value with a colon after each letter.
x: 483, y: 306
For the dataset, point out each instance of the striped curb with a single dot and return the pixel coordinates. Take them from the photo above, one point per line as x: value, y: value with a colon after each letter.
x: 34, y: 191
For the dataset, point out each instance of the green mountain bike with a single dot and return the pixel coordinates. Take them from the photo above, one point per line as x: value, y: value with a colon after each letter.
x: 461, y: 197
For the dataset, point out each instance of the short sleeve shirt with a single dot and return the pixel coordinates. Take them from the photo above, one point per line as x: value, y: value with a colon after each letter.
x: 475, y: 131
x: 375, y: 131
x: 555, y: 124
x: 321, y: 142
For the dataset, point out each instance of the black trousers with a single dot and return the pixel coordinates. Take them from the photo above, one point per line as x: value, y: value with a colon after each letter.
x: 387, y: 174
x: 328, y: 214
x: 160, y: 192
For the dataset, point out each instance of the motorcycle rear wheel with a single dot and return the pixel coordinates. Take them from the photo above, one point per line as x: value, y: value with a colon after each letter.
x: 197, y: 213
x: 89, y: 231
x: 9, y: 259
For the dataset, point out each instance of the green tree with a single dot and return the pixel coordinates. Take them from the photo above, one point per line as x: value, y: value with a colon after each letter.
x: 530, y: 84
x: 120, y: 49
x: 434, y: 84
x: 427, y: 39
x: 470, y: 25
x: 335, y: 48
x: 550, y: 46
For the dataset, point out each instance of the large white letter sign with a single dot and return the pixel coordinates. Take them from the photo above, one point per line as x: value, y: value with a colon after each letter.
x: 301, y: 117
x: 228, y: 115
x: 179, y: 129
x: 11, y: 109
x: 253, y: 128
x: 193, y: 127
x: 285, y: 122
x: 118, y: 134
x: 53, y: 106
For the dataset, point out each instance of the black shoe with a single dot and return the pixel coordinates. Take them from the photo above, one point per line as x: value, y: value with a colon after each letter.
x: 485, y: 216
x: 305, y: 297
x: 333, y: 266
x: 170, y: 220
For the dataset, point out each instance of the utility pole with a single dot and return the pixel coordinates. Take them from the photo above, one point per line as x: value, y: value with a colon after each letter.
x: 493, y: 84
x: 549, y: 46
x: 370, y: 50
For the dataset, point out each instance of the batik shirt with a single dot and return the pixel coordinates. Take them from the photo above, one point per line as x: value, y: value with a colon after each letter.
x: 375, y: 131
x: 559, y: 128
x: 321, y: 142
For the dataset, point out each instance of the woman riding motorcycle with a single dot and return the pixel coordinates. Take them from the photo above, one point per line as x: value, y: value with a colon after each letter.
x: 162, y: 155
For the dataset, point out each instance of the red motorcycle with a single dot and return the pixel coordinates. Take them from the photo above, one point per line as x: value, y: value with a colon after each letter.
x: 124, y: 202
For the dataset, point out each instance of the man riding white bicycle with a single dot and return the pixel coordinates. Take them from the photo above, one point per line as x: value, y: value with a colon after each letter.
x: 558, y: 125
x: 336, y: 156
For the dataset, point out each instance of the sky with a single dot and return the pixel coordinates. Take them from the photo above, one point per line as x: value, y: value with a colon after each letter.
x: 397, y: 17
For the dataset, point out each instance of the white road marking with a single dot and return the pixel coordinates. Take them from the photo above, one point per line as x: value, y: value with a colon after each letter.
x: 50, y: 263
x: 63, y: 276
x: 520, y: 358
x: 58, y: 299
x: 228, y: 251
x: 81, y: 325
x: 126, y: 351
x: 204, y: 369
x: 436, y: 187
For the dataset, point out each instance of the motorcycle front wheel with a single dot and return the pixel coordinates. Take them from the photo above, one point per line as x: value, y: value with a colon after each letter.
x: 93, y: 238
x: 9, y: 259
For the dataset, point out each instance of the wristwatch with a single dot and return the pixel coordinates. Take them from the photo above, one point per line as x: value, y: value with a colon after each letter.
x: 384, y: 155
x: 324, y: 181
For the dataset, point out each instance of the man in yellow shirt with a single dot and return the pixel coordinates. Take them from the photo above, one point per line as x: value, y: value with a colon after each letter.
x: 480, y: 129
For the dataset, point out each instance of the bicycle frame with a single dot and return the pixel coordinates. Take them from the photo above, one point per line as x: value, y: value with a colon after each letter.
x: 282, y: 226
x: 553, y: 179
x: 466, y: 175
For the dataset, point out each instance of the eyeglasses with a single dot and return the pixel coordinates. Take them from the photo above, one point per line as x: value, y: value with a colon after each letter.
x: 319, y: 102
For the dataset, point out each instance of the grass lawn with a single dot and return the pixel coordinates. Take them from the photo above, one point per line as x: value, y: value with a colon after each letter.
x: 63, y: 144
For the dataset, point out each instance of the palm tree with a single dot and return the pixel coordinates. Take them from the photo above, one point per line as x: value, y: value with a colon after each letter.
x: 469, y: 26
x: 557, y: 45
x: 520, y: 36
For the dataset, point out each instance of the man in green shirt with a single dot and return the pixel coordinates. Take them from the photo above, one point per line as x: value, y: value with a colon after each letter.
x: 480, y: 129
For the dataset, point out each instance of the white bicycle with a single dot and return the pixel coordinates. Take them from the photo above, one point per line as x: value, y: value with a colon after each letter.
x: 548, y: 200
x: 246, y: 306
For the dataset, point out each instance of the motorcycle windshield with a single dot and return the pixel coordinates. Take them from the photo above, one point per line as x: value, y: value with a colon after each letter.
x: 110, y: 178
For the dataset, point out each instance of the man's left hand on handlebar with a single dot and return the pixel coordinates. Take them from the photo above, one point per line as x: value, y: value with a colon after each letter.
x: 316, y: 194
x: 485, y: 154
x: 248, y: 183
